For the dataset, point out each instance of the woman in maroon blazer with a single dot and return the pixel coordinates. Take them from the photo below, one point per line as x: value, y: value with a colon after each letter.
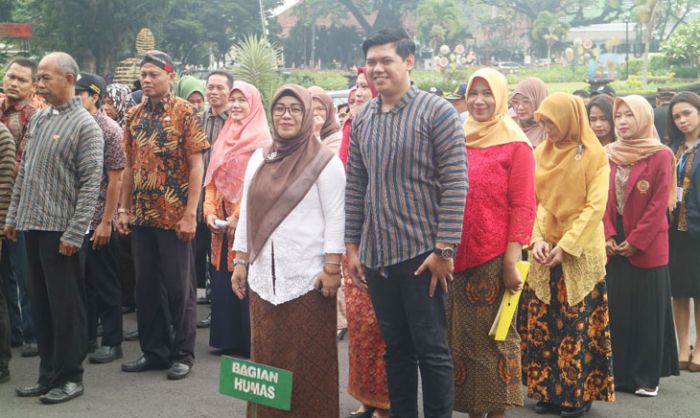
x: 636, y: 229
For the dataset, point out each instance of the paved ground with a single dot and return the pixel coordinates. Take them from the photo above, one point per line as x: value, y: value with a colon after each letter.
x: 109, y: 393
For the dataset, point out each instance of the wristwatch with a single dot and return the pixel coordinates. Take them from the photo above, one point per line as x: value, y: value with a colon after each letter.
x: 447, y: 252
x: 122, y: 210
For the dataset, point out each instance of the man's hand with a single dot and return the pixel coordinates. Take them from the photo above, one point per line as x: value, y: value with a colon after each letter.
x: 101, y: 236
x: 10, y: 233
x: 67, y: 249
x: 238, y: 280
x: 355, y: 270
x: 441, y: 270
x: 540, y: 250
x: 186, y: 227
x: 123, y: 224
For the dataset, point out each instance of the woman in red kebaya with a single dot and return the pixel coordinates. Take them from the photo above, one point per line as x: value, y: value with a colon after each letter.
x: 498, y: 221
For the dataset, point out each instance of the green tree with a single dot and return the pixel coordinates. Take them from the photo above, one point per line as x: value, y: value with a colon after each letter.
x: 439, y: 21
x: 550, y: 28
x: 683, y: 47
x: 578, y: 12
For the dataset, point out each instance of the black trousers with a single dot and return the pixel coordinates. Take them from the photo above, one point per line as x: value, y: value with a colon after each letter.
x: 5, y: 351
x: 414, y: 328
x: 126, y: 270
x: 202, y: 251
x: 57, y: 293
x: 162, y: 261
x: 104, y: 291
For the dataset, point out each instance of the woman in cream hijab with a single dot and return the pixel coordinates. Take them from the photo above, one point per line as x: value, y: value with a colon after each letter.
x: 568, y: 354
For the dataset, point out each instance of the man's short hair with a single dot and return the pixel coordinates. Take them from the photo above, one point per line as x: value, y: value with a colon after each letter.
x: 26, y: 63
x: 403, y: 44
x: 228, y: 75
x: 65, y: 62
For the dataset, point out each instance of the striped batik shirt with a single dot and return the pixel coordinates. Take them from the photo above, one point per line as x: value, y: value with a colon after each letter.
x: 406, y: 179
x: 211, y: 125
x: 7, y: 171
x: 60, y: 173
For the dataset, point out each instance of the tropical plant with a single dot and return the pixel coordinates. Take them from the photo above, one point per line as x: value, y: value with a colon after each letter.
x: 551, y: 28
x: 439, y: 21
x: 256, y: 60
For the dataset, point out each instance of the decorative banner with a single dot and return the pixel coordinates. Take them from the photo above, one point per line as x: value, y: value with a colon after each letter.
x: 587, y: 43
x: 444, y: 62
x: 256, y: 383
x: 16, y: 30
x: 459, y: 49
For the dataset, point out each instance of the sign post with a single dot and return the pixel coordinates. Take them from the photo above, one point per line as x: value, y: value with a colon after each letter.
x: 256, y: 383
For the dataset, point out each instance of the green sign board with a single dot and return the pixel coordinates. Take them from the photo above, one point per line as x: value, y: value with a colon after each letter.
x: 256, y: 383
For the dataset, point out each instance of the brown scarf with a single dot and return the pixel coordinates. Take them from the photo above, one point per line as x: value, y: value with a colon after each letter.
x: 289, y: 170
x: 330, y: 126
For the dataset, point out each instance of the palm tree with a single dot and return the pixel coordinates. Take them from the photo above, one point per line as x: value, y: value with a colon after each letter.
x: 257, y: 61
x: 549, y: 28
x: 439, y: 20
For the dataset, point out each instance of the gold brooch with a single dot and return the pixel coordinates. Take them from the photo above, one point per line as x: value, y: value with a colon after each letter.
x: 643, y: 186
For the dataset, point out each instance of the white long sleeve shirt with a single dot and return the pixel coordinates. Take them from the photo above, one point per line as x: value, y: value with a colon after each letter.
x: 314, y: 228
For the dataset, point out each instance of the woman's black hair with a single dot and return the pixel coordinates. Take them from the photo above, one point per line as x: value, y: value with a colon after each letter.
x: 674, y: 135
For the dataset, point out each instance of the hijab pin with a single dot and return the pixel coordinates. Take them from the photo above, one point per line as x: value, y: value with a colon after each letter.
x: 579, y: 153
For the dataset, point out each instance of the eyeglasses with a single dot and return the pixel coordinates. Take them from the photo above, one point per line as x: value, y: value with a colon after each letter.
x: 281, y: 110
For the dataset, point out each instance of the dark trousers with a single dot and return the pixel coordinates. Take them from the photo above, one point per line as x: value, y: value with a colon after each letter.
x: 414, y: 328
x: 57, y: 292
x: 162, y: 261
x: 202, y: 251
x: 5, y: 351
x: 104, y: 292
x: 127, y: 276
x: 13, y: 268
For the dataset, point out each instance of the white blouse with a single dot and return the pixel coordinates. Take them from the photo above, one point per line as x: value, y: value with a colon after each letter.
x: 314, y: 228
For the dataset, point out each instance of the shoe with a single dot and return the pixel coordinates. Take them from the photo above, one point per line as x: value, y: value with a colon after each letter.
x: 65, y: 393
x: 92, y: 346
x: 203, y: 300
x: 128, y: 309
x: 543, y: 407
x: 4, y: 375
x: 646, y: 393
x: 30, y: 350
x: 141, y: 365
x: 365, y: 414
x: 567, y: 412
x: 178, y: 371
x: 132, y: 335
x: 693, y: 367
x: 205, y: 323
x: 15, y: 343
x: 106, y: 354
x: 36, y: 389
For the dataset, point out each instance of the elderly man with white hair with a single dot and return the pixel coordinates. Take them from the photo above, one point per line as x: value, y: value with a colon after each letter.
x: 53, y: 201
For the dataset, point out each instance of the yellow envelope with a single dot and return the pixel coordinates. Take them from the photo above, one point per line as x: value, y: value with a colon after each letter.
x: 509, y: 304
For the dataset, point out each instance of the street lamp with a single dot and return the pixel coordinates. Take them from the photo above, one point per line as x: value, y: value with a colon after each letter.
x: 627, y: 44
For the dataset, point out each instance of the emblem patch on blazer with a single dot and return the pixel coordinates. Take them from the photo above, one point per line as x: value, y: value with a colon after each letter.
x: 643, y: 186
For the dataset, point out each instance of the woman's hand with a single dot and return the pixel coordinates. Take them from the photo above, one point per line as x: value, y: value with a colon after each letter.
x: 231, y: 228
x: 327, y: 284
x: 611, y: 247
x: 540, y: 250
x: 238, y: 280
x: 511, y: 278
x: 555, y: 257
x: 211, y: 224
x: 626, y: 249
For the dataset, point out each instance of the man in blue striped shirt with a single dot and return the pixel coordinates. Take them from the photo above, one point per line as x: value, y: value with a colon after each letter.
x: 405, y: 195
x: 53, y: 202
